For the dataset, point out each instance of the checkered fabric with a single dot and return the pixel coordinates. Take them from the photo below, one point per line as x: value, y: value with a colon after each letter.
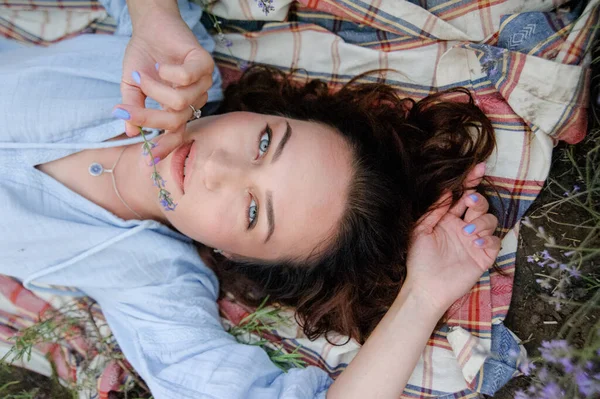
x: 526, y: 63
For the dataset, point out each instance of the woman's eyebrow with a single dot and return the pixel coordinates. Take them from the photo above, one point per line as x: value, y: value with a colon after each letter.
x: 282, y: 142
x: 270, y: 215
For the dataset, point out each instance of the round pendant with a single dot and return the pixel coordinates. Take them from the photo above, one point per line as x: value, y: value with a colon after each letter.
x: 95, y: 169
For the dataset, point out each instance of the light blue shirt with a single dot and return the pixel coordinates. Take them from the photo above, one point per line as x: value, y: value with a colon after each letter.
x: 157, y: 295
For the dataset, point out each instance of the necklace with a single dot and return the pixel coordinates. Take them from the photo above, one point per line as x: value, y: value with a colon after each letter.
x: 95, y: 169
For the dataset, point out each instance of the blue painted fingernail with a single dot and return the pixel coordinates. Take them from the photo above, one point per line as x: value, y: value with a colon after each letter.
x: 479, y: 242
x: 156, y: 66
x: 469, y: 229
x: 474, y: 197
x: 121, y: 114
x: 136, y: 76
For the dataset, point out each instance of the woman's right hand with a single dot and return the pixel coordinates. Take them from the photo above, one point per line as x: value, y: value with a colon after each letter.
x: 164, y: 61
x: 452, y: 247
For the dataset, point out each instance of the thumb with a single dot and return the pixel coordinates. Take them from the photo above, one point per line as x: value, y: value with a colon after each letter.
x: 475, y: 176
x: 132, y: 95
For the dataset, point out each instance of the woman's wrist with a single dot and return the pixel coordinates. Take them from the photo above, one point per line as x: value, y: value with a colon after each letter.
x: 416, y: 293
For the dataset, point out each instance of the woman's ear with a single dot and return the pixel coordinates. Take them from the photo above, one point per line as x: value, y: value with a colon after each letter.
x: 222, y: 253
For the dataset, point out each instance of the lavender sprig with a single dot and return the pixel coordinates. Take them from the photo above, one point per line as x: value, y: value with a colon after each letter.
x: 164, y: 196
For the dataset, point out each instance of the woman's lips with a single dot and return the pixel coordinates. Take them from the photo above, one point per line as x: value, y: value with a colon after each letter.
x: 190, y: 162
x: 178, y: 163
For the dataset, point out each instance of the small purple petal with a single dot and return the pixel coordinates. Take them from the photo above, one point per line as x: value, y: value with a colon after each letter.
x: 574, y: 272
x: 521, y: 395
x: 545, y: 254
x: 562, y: 267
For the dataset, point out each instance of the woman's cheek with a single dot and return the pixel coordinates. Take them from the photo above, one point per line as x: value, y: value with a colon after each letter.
x: 211, y: 221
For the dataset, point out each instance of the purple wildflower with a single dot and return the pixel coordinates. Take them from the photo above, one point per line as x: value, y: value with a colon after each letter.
x: 576, y: 188
x: 552, y: 391
x: 147, y: 147
x: 521, y: 395
x: 530, y: 259
x: 545, y: 254
x: 562, y: 267
x: 155, y: 161
x: 164, y: 196
x: 167, y: 204
x: 567, y: 365
x: 527, y: 367
x: 589, y: 365
x: 159, y: 182
x: 553, y: 351
x: 574, y: 272
x: 223, y: 40
x: 585, y: 383
x: 544, y: 263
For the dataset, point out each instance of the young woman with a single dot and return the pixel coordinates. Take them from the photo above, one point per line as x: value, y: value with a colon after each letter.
x: 293, y: 186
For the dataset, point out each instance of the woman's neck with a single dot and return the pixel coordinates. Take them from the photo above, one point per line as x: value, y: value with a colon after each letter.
x: 132, y: 177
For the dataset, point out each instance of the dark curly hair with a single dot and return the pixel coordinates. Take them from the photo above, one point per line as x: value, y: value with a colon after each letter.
x: 406, y: 154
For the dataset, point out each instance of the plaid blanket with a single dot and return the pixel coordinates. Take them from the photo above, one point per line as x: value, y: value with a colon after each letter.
x: 526, y: 64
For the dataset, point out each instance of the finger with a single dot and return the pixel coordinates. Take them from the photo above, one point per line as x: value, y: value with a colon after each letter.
x: 427, y: 222
x: 131, y: 95
x: 197, y: 64
x: 174, y: 98
x: 472, y: 180
x: 482, y: 226
x: 477, y: 206
x: 158, y: 119
x: 475, y: 176
x: 460, y: 207
x: 197, y: 104
x: 491, y: 246
x: 166, y: 143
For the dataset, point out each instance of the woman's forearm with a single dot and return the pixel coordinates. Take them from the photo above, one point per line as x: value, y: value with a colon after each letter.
x: 387, y: 359
x: 139, y: 9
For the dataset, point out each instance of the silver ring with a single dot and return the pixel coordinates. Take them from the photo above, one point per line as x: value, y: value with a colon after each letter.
x: 197, y: 113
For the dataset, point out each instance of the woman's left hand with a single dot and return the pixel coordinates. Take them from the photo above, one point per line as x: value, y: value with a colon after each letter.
x: 453, y: 247
x: 164, y: 61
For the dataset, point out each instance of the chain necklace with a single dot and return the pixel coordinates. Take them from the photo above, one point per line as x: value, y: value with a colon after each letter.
x: 95, y: 169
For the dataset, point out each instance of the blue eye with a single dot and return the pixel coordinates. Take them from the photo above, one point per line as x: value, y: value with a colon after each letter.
x: 252, y: 212
x: 264, y: 142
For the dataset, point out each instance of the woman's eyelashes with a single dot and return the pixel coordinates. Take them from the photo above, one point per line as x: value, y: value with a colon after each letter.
x: 252, y: 213
x: 264, y: 141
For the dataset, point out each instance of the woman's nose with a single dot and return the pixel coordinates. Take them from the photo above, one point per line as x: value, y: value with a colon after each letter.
x: 222, y: 168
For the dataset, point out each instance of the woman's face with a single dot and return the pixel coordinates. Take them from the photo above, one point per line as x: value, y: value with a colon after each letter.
x: 258, y: 186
